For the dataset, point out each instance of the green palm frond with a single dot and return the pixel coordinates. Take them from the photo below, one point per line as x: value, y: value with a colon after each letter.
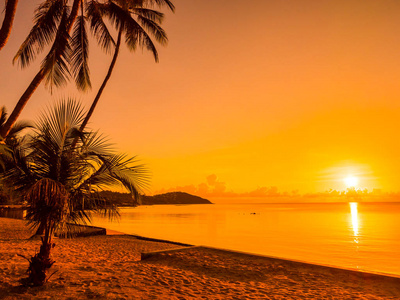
x: 79, y: 55
x: 43, y: 32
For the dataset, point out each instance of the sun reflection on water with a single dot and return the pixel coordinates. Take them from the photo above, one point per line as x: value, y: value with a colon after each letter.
x: 354, y: 219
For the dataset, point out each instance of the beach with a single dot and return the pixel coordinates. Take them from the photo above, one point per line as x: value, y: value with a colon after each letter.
x: 110, y: 267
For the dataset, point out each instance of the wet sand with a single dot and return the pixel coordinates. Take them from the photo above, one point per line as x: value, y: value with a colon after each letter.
x: 110, y: 267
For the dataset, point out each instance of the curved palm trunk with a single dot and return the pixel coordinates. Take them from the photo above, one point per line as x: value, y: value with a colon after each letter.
x: 21, y: 103
x: 5, y: 30
x: 103, y: 85
x: 36, y: 80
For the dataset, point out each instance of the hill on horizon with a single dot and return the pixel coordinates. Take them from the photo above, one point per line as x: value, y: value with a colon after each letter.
x: 125, y: 199
x: 173, y: 198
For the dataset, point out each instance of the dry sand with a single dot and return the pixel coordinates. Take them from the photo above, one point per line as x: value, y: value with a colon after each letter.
x: 109, y: 267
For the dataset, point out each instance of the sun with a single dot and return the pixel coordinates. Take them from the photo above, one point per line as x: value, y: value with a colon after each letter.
x: 351, y: 181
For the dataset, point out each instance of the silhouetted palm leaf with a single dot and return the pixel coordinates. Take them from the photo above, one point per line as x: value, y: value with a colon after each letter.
x: 47, y: 17
x: 47, y: 163
x: 79, y: 55
x: 98, y: 27
x: 56, y: 63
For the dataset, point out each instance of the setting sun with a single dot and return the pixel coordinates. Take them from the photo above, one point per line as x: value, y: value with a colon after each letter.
x: 351, y: 181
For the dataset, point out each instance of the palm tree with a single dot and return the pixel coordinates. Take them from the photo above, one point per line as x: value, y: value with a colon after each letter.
x: 61, y: 184
x: 133, y: 20
x: 5, y: 30
x: 53, y: 23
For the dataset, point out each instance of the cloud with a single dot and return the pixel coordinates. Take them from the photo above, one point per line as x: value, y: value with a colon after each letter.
x: 213, y: 188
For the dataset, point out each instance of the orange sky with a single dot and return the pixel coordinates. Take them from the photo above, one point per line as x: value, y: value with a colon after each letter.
x: 293, y: 94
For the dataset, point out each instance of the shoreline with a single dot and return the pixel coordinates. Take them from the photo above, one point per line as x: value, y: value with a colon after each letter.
x: 111, y: 267
x: 333, y: 268
x: 363, y: 273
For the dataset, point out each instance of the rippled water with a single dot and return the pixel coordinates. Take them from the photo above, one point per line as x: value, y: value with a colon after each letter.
x: 363, y: 236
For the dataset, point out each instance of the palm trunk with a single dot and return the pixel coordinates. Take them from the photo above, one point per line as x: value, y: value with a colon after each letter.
x: 5, y: 30
x: 103, y: 85
x: 36, y: 81
x: 21, y: 103
x: 41, y: 262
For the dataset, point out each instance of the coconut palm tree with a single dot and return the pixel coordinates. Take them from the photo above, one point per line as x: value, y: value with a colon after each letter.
x: 69, y: 55
x: 54, y: 20
x: 61, y: 184
x: 136, y: 21
x: 5, y: 30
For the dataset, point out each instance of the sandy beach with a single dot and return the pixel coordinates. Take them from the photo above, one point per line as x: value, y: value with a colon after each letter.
x: 110, y: 267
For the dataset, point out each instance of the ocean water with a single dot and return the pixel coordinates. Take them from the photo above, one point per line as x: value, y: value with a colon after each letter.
x: 363, y: 236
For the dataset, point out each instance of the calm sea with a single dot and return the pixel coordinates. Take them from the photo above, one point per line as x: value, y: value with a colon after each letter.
x: 364, y: 236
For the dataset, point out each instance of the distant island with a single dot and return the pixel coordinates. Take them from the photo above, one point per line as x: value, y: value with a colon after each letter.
x: 125, y: 199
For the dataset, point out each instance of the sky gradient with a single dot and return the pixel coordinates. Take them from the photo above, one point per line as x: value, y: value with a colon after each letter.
x: 290, y: 94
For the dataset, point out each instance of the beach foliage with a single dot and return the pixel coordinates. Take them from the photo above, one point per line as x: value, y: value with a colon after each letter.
x: 61, y: 184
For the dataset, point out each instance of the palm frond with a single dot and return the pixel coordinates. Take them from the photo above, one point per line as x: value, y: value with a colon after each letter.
x: 61, y: 183
x: 159, y: 3
x: 5, y: 155
x: 150, y: 14
x: 19, y: 126
x: 154, y: 29
x: 79, y: 55
x: 136, y: 36
x: 48, y: 204
x: 98, y: 27
x: 47, y: 17
x: 57, y: 125
x: 95, y: 142
x: 134, y: 177
x: 3, y: 115
x: 55, y: 64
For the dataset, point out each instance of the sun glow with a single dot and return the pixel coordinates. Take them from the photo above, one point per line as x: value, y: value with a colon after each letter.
x: 351, y: 181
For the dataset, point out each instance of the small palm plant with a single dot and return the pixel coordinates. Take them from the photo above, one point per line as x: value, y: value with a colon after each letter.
x: 60, y: 183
